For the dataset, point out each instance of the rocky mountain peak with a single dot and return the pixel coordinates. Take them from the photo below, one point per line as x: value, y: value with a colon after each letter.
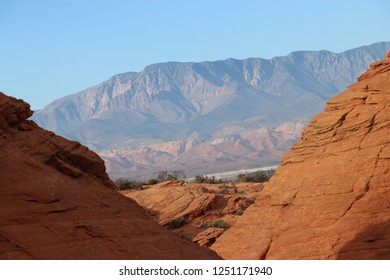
x: 188, y: 102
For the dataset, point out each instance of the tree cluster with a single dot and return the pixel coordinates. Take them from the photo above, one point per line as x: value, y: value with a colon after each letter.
x: 257, y: 176
x: 207, y: 179
x: 163, y: 176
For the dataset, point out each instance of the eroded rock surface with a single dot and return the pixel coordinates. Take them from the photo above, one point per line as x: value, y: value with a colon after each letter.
x: 57, y: 201
x: 330, y: 198
x: 206, y: 210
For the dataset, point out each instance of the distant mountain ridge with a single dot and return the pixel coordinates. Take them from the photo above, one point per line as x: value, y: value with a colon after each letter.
x: 197, y: 116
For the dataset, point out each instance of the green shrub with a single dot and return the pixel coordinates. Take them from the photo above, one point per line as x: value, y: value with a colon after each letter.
x: 152, y: 181
x: 206, y: 179
x: 239, y: 212
x: 164, y: 176
x: 125, y: 184
x: 177, y: 222
x: 257, y: 176
x: 216, y: 224
x: 219, y: 224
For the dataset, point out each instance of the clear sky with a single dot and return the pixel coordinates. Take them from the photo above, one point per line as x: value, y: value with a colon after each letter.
x: 52, y: 48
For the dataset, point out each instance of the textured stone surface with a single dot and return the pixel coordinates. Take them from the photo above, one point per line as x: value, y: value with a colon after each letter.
x: 57, y: 201
x: 198, y: 204
x: 330, y: 198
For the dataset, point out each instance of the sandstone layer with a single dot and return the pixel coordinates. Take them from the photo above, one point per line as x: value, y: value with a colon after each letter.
x: 330, y: 198
x: 57, y: 201
x: 205, y: 210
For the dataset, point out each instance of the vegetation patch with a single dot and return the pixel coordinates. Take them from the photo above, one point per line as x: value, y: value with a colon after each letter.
x: 217, y: 224
x: 260, y: 176
x: 125, y: 184
x: 207, y: 179
x: 177, y: 222
x: 163, y: 176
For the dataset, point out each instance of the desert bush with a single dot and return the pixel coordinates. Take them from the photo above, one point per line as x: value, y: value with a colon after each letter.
x: 177, y: 222
x: 125, y: 184
x: 216, y: 224
x: 219, y: 224
x: 239, y: 212
x: 179, y: 174
x: 164, y: 176
x: 257, y: 176
x: 207, y: 179
x: 152, y: 181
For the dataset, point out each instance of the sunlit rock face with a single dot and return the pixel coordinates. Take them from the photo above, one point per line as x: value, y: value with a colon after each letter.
x: 330, y: 196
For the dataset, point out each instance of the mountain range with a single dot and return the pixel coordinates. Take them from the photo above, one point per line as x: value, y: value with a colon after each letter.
x: 208, y: 116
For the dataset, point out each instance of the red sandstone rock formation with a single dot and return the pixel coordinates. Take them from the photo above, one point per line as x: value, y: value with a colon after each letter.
x: 330, y: 198
x: 57, y: 201
x: 199, y: 204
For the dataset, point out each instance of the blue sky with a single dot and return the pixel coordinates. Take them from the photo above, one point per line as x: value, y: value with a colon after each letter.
x: 50, y: 49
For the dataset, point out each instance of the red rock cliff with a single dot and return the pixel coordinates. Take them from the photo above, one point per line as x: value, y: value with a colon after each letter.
x: 57, y: 201
x: 330, y: 198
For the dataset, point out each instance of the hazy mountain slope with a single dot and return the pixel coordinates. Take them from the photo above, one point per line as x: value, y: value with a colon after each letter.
x: 200, y: 102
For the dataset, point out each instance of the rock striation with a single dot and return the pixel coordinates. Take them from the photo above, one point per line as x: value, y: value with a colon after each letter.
x: 198, y: 205
x: 57, y: 201
x: 330, y: 198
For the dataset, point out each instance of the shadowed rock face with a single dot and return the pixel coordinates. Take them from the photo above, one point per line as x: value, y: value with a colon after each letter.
x: 57, y: 201
x: 330, y: 198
